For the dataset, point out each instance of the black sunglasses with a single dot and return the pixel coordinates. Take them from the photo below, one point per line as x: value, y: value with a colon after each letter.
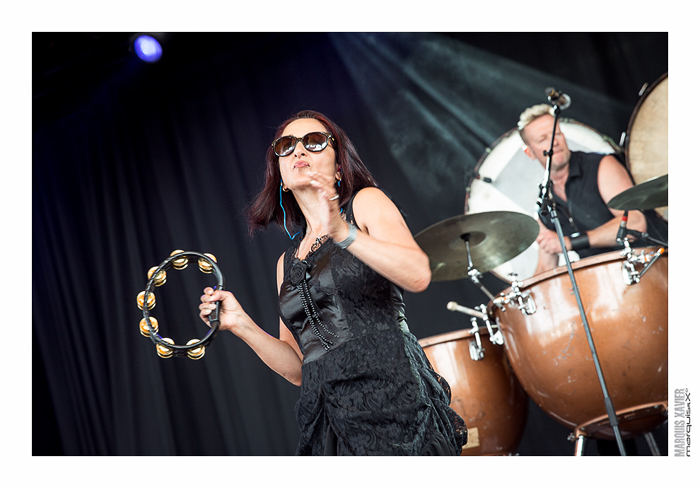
x: 313, y: 141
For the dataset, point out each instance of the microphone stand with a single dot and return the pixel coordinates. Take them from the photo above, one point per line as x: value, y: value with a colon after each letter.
x: 546, y: 206
x: 645, y: 237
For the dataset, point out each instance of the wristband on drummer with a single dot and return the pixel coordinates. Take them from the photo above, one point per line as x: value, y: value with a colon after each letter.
x: 579, y: 241
x: 352, y: 235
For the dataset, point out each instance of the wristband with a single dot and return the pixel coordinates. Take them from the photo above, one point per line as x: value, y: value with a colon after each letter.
x: 579, y: 241
x: 352, y: 235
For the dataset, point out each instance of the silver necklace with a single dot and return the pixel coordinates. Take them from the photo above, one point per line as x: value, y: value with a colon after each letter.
x: 317, y: 243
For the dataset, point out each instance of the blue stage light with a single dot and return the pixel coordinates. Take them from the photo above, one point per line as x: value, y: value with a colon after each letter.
x: 147, y: 48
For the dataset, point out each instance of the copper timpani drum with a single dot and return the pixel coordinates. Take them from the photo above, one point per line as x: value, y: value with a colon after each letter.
x: 646, y: 146
x: 551, y: 358
x: 485, y: 393
x: 509, y: 180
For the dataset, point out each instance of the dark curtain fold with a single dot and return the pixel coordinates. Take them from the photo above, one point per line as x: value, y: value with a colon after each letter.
x: 133, y: 161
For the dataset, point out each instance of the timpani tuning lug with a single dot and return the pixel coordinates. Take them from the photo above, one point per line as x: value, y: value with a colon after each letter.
x: 495, y: 336
x: 630, y: 274
x: 525, y: 303
x: 476, y: 351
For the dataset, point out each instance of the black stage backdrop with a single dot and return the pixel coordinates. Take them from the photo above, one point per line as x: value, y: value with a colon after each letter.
x: 132, y: 161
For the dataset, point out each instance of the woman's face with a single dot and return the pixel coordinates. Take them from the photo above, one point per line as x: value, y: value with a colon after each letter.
x: 295, y: 166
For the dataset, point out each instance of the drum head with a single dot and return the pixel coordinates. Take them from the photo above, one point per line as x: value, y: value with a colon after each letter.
x: 647, y: 136
x: 515, y: 180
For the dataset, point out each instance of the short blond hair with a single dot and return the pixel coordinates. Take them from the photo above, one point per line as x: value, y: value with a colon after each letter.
x: 532, y: 113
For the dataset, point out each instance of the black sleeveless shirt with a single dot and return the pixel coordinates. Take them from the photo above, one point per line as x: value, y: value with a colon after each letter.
x: 584, y: 209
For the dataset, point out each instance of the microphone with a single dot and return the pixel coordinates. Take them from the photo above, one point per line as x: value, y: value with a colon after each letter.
x: 453, y: 306
x: 561, y: 100
x: 622, y: 231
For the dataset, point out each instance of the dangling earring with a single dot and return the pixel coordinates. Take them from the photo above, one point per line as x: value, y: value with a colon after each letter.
x: 284, y: 188
x: 339, y: 180
x: 284, y: 213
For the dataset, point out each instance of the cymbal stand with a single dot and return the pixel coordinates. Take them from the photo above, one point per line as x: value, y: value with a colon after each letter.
x: 546, y: 206
x: 472, y: 272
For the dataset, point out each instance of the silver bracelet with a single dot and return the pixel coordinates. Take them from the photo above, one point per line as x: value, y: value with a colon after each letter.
x: 352, y: 235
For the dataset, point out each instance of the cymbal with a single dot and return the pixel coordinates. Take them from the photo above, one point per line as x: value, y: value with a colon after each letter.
x: 651, y: 194
x: 494, y: 238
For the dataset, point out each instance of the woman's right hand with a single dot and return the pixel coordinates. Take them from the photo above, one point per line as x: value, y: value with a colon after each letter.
x: 231, y: 315
x: 283, y: 356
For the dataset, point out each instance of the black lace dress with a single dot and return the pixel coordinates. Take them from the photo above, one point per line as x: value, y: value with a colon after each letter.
x: 367, y: 387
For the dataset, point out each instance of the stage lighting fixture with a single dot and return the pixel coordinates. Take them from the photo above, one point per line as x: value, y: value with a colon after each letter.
x: 147, y: 48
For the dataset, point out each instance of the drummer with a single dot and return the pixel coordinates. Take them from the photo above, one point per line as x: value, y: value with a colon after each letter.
x: 582, y: 183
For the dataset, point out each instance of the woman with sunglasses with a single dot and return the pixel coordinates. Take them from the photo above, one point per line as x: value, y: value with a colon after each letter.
x: 366, y: 386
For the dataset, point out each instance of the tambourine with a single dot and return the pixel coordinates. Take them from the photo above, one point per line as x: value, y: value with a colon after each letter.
x: 146, y: 300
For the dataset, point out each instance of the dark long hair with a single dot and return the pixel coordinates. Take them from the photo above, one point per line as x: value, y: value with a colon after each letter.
x: 266, y: 209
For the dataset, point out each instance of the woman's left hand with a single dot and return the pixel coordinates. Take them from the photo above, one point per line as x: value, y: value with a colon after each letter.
x: 329, y: 205
x: 384, y: 242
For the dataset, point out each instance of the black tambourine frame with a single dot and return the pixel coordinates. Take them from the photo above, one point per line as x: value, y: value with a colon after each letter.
x: 180, y: 350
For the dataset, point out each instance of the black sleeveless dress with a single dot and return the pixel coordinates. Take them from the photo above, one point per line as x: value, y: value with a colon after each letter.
x: 367, y: 387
